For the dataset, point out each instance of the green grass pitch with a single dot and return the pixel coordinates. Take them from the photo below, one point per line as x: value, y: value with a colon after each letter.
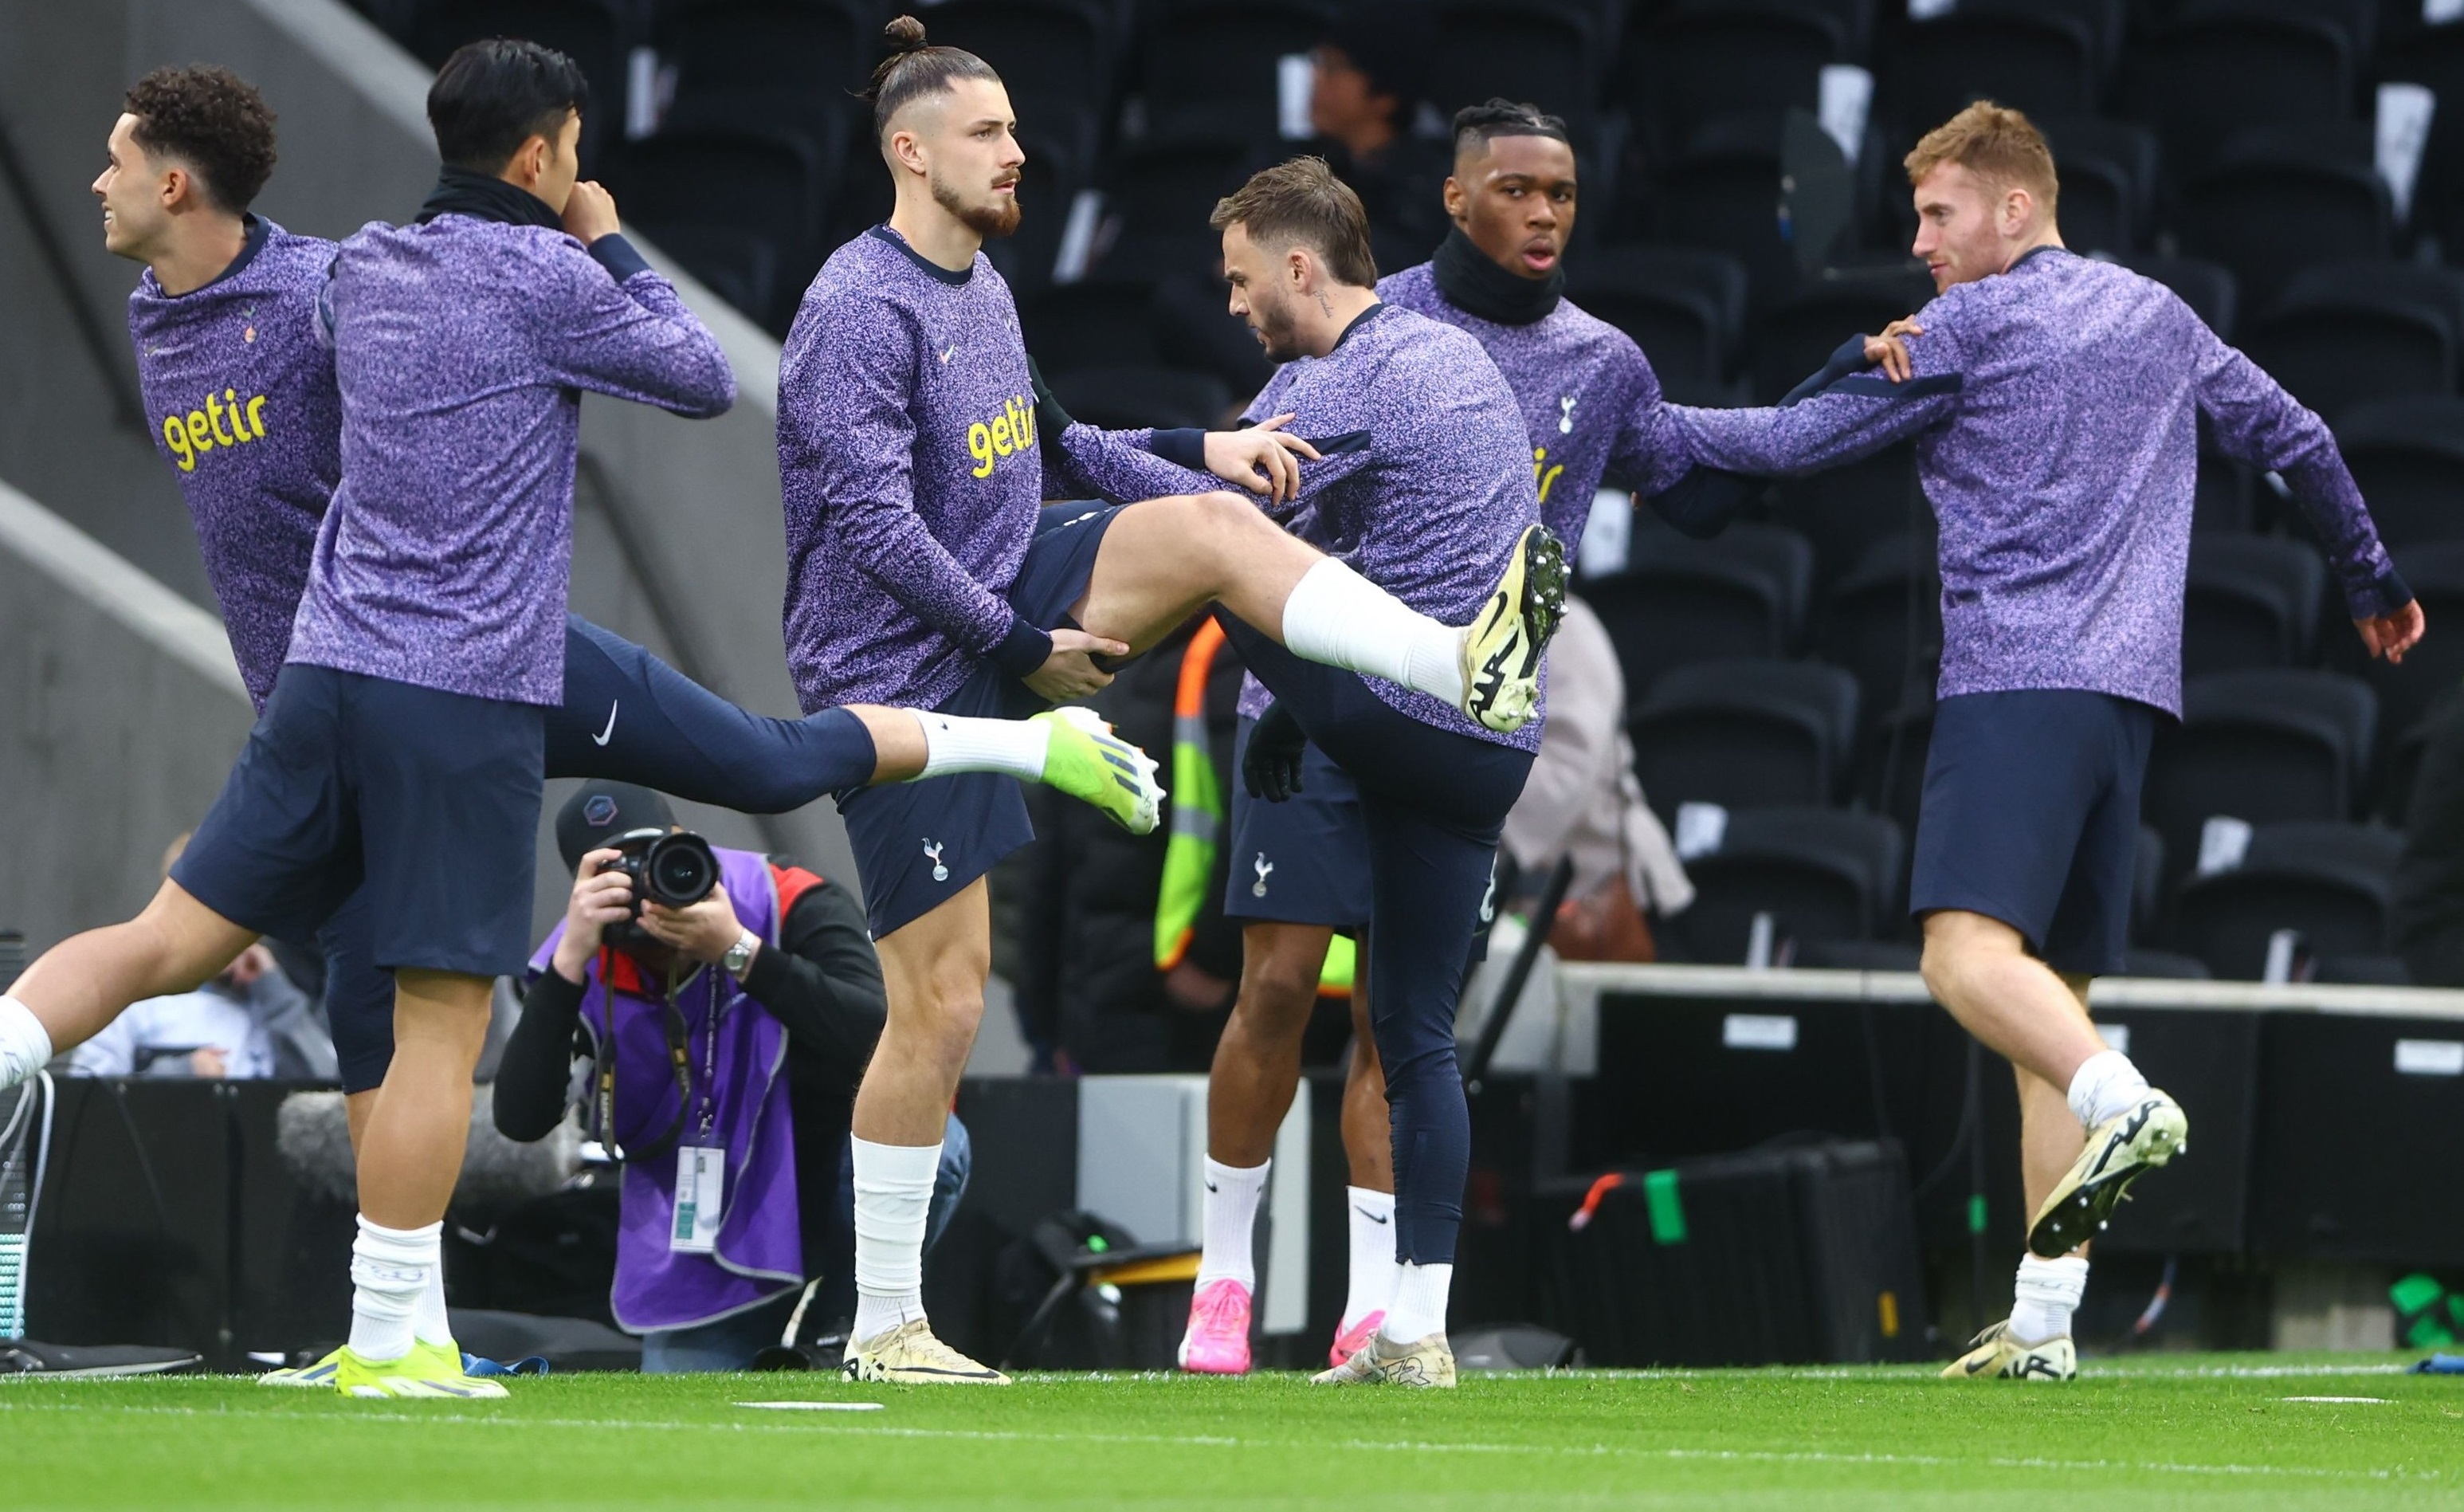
x: 2157, y: 1431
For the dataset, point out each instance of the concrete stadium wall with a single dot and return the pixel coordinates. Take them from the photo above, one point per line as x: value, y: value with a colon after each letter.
x: 678, y: 532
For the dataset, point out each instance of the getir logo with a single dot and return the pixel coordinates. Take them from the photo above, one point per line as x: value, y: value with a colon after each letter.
x: 203, y: 430
x: 1013, y: 430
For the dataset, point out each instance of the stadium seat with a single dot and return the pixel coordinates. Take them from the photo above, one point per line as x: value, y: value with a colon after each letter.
x: 1746, y: 734
x: 1823, y: 874
x: 1048, y: 182
x: 1157, y: 201
x: 1891, y: 759
x: 2260, y: 746
x: 1097, y: 324
x: 1680, y: 601
x: 1882, y: 622
x: 2251, y: 601
x: 684, y: 187
x: 597, y: 35
x: 1057, y: 58
x: 1517, y: 50
x: 2268, y: 219
x: 1845, y: 510
x: 740, y: 267
x: 767, y: 65
x: 1134, y: 397
x: 2434, y: 571
x: 1210, y: 67
x: 2236, y: 67
x: 2143, y: 962
x: 1703, y: 60
x: 2208, y: 289
x: 2408, y: 456
x: 2435, y: 55
x: 2353, y: 332
x: 1794, y: 340
x: 2332, y: 884
x: 1684, y: 306
x: 2108, y: 175
x: 2039, y: 61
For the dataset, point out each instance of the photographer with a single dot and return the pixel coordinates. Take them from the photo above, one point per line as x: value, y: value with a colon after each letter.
x: 742, y: 1023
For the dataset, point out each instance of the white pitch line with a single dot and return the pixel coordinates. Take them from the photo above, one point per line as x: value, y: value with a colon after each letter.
x: 1224, y: 1441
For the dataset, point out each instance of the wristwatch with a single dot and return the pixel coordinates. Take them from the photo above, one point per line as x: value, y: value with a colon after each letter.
x: 740, y: 955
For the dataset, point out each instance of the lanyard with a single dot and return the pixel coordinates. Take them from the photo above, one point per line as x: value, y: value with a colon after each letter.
x: 604, y: 1100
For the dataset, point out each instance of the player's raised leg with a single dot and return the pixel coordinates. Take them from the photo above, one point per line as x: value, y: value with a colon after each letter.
x: 80, y: 985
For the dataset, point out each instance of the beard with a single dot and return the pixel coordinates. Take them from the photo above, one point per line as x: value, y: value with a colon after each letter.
x: 997, y: 219
x: 1277, y: 331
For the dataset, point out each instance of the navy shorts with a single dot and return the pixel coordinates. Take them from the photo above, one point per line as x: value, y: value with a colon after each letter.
x: 425, y: 801
x: 918, y: 843
x: 2031, y: 815
x: 359, y: 996
x: 1303, y: 860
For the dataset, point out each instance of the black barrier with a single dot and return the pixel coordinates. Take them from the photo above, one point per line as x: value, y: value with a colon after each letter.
x: 2360, y: 1139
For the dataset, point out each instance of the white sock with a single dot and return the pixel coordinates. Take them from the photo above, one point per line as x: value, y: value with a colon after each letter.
x: 389, y: 1270
x: 2106, y: 1086
x: 894, y: 1190
x: 1420, y: 1306
x: 2045, y: 1296
x: 1012, y: 748
x: 1337, y: 617
x: 430, y: 1323
x: 1372, y: 1224
x: 25, y: 1044
x: 1232, y: 1193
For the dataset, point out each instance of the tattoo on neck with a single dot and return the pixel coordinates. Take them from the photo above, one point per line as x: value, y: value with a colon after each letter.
x: 1326, y: 307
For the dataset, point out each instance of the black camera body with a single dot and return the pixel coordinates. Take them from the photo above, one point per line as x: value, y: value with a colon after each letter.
x: 676, y: 868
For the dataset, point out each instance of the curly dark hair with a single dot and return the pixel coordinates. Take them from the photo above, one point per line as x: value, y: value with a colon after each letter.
x: 214, y: 123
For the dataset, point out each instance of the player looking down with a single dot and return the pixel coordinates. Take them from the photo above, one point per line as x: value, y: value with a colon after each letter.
x: 2055, y: 403
x: 924, y: 571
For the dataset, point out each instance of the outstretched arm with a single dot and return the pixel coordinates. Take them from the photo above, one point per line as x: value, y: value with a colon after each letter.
x: 616, y: 327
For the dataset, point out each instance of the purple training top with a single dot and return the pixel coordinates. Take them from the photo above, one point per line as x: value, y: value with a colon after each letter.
x: 1590, y: 400
x: 2055, y: 410
x: 908, y: 461
x: 461, y: 347
x: 240, y: 396
x: 1425, y: 486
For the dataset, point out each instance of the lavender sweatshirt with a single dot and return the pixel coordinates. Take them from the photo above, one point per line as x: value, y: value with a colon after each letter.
x: 1590, y: 400
x: 908, y: 462
x: 461, y: 349
x: 240, y: 396
x: 1426, y: 487
x: 2055, y: 409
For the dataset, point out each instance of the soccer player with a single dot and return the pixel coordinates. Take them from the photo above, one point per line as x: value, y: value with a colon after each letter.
x: 1426, y: 483
x: 922, y: 572
x: 2055, y: 402
x: 228, y: 303
x: 1590, y: 402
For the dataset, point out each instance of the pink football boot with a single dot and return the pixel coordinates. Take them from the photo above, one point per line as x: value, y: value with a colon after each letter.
x: 1218, y: 1340
x: 1355, y: 1339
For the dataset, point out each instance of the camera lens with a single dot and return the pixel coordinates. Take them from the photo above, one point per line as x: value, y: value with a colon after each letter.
x: 680, y: 870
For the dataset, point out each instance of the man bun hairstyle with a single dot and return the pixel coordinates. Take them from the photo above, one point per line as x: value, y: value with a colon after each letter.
x: 493, y: 96
x: 1478, y: 125
x: 1302, y: 203
x: 213, y: 123
x: 1996, y: 144
x: 915, y: 69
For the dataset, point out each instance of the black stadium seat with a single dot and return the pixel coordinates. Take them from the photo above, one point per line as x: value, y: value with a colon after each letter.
x: 2258, y: 746
x: 1157, y: 199
x: 1211, y: 66
x: 1882, y: 622
x: 1517, y: 50
x: 765, y: 187
x: 2349, y: 333
x: 1132, y: 398
x: 2408, y: 456
x: 1056, y: 57
x: 2434, y: 571
x: 1794, y: 340
x: 2268, y: 217
x: 768, y: 65
x: 1746, y: 734
x: 1891, y: 759
x: 1684, y: 306
x: 1703, y: 60
x: 2042, y: 62
x: 1845, y: 510
x: 2251, y: 601
x: 1680, y: 601
x: 1096, y: 324
x: 1823, y: 874
x: 2333, y: 884
x: 597, y: 35
x: 2235, y: 68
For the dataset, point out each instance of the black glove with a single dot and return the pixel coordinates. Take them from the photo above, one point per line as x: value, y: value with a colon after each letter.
x: 1050, y: 419
x: 1270, y: 768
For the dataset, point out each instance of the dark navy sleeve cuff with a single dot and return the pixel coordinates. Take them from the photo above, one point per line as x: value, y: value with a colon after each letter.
x: 1186, y: 447
x: 618, y: 257
x: 1848, y: 360
x: 1022, y: 650
x: 2384, y: 594
x: 1702, y: 502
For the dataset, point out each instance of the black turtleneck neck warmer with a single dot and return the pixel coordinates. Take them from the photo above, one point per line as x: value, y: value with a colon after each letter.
x: 1475, y: 285
x: 484, y: 196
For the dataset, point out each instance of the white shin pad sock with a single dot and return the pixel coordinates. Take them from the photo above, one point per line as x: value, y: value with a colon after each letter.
x: 2045, y: 1295
x: 1335, y: 616
x: 389, y: 1272
x: 1231, y: 1205
x: 893, y: 1193
x: 2105, y: 1087
x: 954, y: 742
x: 1420, y: 1306
x: 1370, y: 1219
x: 25, y: 1045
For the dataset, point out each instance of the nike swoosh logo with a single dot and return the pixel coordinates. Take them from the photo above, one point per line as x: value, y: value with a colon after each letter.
x: 1370, y: 1216
x: 946, y: 356
x: 601, y: 739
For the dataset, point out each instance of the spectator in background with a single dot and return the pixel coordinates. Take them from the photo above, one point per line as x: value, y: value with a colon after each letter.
x: 2429, y: 877
x: 1364, y: 93
x: 250, y: 1022
x: 772, y: 970
x: 1582, y: 801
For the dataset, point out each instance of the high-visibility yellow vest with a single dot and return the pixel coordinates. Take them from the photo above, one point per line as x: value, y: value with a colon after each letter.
x: 1198, y: 812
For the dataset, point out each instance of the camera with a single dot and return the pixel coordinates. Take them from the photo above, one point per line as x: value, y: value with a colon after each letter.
x: 672, y: 867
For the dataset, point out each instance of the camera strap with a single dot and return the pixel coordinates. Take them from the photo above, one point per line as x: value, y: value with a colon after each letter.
x: 603, y: 1097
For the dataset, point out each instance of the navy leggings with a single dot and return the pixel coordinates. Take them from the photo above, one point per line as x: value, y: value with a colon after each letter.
x: 629, y: 717
x: 1433, y: 803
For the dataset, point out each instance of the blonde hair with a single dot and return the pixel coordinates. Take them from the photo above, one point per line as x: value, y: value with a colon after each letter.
x: 1996, y: 144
